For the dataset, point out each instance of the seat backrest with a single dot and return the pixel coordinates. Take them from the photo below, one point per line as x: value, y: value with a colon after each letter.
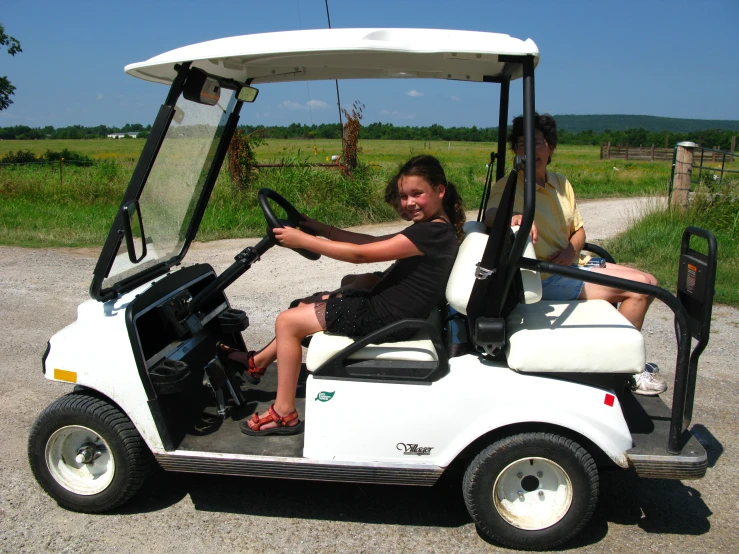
x: 463, y: 275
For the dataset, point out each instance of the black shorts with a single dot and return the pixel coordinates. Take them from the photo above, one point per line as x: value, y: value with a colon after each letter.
x: 350, y: 315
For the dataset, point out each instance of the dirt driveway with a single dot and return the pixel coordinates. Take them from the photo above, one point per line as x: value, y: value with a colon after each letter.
x: 39, y: 293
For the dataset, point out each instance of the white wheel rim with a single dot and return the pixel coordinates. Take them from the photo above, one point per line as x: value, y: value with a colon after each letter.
x: 83, y: 478
x: 532, y: 493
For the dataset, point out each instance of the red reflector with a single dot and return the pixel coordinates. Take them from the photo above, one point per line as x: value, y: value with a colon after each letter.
x: 609, y: 400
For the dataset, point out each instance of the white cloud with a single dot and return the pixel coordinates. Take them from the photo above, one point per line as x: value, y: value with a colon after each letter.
x: 100, y: 96
x: 413, y: 93
x: 398, y: 114
x: 290, y: 105
x: 456, y: 98
x: 311, y: 104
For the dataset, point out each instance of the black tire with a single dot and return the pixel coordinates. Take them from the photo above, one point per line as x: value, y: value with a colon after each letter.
x: 555, y: 474
x: 118, y: 459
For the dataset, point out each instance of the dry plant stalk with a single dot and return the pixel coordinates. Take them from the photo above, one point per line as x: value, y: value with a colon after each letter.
x: 350, y: 136
x: 241, y: 158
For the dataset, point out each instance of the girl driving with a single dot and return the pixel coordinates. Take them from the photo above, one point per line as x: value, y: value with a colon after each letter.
x: 425, y: 253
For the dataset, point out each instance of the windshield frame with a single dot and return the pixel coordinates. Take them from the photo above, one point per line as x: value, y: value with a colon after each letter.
x: 100, y: 289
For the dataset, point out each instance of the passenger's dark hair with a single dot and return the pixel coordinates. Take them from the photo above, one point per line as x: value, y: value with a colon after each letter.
x: 544, y: 123
x: 430, y: 169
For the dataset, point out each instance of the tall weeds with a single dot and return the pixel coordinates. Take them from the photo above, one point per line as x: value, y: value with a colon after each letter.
x: 653, y: 242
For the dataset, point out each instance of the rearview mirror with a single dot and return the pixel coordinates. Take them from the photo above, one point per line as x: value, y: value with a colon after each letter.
x: 247, y: 94
x: 133, y: 229
x: 200, y: 88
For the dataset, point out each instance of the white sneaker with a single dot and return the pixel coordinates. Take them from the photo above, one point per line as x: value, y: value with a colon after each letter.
x: 647, y: 384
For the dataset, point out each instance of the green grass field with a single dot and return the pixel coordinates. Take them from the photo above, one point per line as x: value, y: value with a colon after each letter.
x: 465, y: 161
x: 42, y: 208
x: 45, y: 207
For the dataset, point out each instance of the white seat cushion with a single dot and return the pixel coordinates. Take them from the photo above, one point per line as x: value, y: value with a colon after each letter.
x: 462, y: 278
x: 419, y: 348
x: 580, y: 337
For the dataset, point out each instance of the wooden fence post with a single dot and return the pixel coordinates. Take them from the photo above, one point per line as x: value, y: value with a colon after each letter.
x: 733, y: 147
x: 683, y: 174
x: 608, y: 150
x: 652, y: 152
x: 627, y: 152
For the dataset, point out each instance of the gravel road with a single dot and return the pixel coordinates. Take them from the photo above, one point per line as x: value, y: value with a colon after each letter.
x: 39, y: 292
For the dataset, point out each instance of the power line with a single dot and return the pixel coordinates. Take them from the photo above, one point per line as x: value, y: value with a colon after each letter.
x: 338, y: 98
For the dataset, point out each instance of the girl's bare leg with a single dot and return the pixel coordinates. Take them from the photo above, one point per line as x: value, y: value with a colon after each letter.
x: 291, y: 327
x: 268, y: 354
x: 634, y: 305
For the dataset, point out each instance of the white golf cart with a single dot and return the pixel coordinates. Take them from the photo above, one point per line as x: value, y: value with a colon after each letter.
x: 531, y: 404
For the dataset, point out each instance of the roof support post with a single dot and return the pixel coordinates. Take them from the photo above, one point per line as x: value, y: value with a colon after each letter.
x: 529, y: 206
x: 505, y: 88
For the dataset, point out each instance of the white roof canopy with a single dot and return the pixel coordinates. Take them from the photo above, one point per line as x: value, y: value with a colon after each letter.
x: 346, y: 54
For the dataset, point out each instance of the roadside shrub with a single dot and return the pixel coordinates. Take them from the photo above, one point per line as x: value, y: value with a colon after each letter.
x: 21, y: 157
x: 653, y: 242
x: 67, y: 156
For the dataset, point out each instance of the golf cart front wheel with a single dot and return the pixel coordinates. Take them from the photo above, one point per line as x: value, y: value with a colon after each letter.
x: 531, y: 491
x: 86, y: 454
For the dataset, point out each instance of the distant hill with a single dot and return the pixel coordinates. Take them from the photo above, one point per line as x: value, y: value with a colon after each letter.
x: 600, y: 123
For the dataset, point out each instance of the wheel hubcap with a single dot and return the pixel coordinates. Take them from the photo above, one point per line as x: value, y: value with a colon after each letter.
x: 80, y: 460
x: 532, y: 493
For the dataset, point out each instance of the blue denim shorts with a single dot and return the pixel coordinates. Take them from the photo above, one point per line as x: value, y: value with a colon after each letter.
x: 557, y: 287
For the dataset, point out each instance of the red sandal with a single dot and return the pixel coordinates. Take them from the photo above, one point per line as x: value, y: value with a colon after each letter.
x: 246, y: 368
x: 272, y: 416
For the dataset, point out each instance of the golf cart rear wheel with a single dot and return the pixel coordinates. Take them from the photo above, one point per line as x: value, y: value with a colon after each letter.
x: 531, y: 491
x: 86, y: 454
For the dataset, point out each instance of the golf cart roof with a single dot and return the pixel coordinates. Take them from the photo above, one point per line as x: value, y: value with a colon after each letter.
x: 324, y: 54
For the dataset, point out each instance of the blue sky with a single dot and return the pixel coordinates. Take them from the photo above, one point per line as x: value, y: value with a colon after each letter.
x: 665, y: 58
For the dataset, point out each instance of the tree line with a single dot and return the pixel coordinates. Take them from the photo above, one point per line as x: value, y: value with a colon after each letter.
x: 22, y: 132
x: 388, y: 131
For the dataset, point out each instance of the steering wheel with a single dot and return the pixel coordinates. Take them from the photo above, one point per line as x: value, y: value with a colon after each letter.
x: 294, y: 217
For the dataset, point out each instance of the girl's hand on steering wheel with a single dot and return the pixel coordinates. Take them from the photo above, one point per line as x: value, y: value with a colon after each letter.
x: 289, y: 237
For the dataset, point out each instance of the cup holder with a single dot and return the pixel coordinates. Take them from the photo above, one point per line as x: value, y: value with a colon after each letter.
x: 233, y: 320
x: 169, y: 376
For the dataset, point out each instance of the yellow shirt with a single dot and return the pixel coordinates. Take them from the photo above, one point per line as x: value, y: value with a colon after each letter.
x: 556, y: 217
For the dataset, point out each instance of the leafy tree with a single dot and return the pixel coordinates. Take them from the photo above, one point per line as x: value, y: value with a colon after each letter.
x: 6, y: 89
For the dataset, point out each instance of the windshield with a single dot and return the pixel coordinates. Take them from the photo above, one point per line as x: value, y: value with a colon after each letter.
x: 175, y: 183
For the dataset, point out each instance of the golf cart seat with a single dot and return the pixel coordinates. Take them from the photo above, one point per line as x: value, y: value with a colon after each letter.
x: 419, y: 348
x: 552, y: 337
x: 581, y: 336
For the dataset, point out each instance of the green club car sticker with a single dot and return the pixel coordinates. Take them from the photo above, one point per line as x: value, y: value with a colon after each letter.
x: 324, y: 396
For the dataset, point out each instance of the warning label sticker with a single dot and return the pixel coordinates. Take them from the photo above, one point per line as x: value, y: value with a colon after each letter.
x: 690, y: 281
